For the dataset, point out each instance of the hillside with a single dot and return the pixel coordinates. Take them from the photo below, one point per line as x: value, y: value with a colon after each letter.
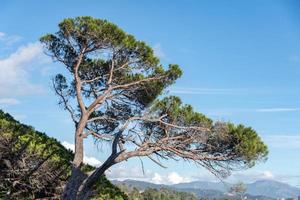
x: 35, y: 166
x: 264, y: 189
x: 273, y: 189
x: 270, y: 188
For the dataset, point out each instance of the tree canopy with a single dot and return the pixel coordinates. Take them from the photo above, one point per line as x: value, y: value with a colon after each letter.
x: 113, y: 93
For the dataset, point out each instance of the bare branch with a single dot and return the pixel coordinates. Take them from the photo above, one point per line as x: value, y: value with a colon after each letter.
x: 78, y: 82
x: 197, y: 128
x: 67, y: 106
x: 92, y: 80
x: 156, y: 162
x: 99, y: 100
x: 137, y: 82
x: 111, y: 72
x: 101, y: 118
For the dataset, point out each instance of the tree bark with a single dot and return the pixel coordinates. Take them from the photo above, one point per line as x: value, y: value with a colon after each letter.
x: 77, y: 176
x: 87, y: 187
x: 74, y: 182
x: 78, y: 157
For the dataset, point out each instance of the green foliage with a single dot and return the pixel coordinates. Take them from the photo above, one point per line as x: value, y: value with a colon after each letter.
x: 93, y: 36
x: 248, y: 144
x: 49, y: 164
x: 105, y: 190
x: 232, y: 146
x: 35, y: 141
x: 32, y: 165
x: 184, y: 114
x: 156, y: 194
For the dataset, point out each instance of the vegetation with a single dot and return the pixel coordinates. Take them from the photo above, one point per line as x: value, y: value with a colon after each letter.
x: 111, y: 93
x: 155, y: 194
x: 239, y: 190
x: 33, y: 165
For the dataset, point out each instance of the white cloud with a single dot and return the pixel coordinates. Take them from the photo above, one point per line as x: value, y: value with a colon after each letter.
x: 136, y: 173
x: 175, y: 178
x: 68, y: 145
x: 9, y: 39
x: 158, y: 51
x: 282, y: 141
x: 278, y: 110
x: 2, y: 35
x: 91, y: 161
x: 205, y: 91
x: 268, y: 175
x: 86, y: 159
x: 8, y: 101
x: 15, y: 69
x: 157, y: 179
x: 122, y: 172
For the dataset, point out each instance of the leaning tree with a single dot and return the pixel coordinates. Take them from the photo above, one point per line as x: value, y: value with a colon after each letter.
x: 113, y: 93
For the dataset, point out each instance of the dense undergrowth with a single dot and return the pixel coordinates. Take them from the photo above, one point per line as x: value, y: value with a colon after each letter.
x: 35, y: 166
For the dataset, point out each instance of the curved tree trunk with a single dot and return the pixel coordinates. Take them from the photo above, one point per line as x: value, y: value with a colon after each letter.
x: 77, y: 176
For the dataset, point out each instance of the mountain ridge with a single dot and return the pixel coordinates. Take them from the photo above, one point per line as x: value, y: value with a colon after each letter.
x: 265, y: 188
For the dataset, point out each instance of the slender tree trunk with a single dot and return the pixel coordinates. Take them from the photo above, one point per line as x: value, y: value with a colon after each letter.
x: 77, y: 176
x: 78, y: 157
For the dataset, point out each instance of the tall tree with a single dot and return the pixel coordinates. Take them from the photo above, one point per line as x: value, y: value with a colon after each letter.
x: 239, y: 190
x: 111, y: 93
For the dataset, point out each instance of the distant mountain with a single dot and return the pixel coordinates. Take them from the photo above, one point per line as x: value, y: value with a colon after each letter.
x: 269, y: 188
x: 204, y: 185
x: 260, y: 190
x: 273, y: 189
x: 141, y: 185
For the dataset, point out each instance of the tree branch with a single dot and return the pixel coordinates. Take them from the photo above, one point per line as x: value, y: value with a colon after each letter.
x: 111, y: 72
x: 78, y: 82
x: 67, y: 106
x: 137, y: 82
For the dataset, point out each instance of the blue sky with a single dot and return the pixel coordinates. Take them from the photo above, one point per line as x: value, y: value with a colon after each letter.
x: 241, y: 63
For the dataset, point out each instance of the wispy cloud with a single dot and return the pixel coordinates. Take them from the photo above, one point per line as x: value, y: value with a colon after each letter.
x: 251, y: 176
x: 206, y: 91
x: 278, y: 109
x: 9, y: 39
x: 282, y: 141
x: 2, y: 35
x: 157, y: 48
x: 8, y: 101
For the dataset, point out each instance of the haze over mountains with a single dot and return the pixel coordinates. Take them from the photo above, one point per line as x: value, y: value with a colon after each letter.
x: 263, y: 189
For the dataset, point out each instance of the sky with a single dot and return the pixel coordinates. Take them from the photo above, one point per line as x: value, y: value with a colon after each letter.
x: 241, y: 63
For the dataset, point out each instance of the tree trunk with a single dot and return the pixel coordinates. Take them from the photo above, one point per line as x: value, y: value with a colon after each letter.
x: 87, y: 187
x: 74, y: 182
x: 78, y: 157
x: 77, y: 176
